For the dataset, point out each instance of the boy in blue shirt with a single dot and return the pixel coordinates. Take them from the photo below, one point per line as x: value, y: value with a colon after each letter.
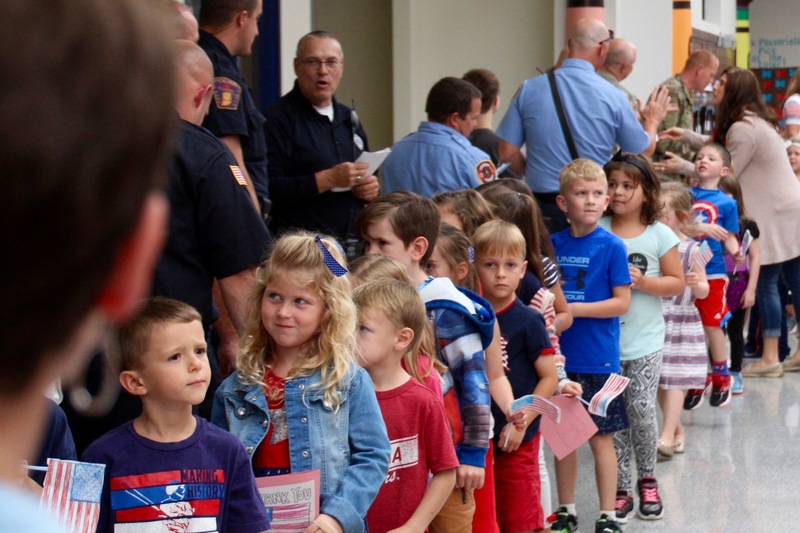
x: 717, y: 219
x: 597, y: 282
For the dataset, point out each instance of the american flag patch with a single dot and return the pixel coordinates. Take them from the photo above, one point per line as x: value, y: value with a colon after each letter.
x: 72, y: 493
x: 238, y: 175
x: 537, y: 404
x: 613, y: 387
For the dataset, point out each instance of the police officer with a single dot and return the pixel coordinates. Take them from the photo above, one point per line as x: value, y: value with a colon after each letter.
x: 699, y: 71
x: 313, y: 142
x: 438, y: 157
x: 227, y: 31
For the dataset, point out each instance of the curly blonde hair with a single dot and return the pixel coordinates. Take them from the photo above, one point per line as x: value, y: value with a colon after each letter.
x: 332, y: 349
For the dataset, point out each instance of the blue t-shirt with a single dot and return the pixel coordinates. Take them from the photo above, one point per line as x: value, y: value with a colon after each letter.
x: 715, y: 207
x: 523, y: 338
x: 642, y: 327
x: 203, y: 483
x: 591, y: 266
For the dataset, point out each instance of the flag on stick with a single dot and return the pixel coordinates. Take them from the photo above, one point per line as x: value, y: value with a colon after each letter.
x: 537, y: 404
x: 72, y: 494
x: 614, y: 386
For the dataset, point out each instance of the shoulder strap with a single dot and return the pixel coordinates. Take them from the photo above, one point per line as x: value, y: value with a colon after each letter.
x: 562, y: 118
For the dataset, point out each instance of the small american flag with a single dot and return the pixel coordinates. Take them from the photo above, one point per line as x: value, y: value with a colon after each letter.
x: 537, y: 404
x: 237, y: 173
x: 614, y: 386
x: 703, y: 255
x: 72, y: 493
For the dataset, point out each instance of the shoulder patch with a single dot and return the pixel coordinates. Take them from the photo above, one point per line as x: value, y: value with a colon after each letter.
x: 238, y: 175
x: 227, y: 94
x: 485, y: 171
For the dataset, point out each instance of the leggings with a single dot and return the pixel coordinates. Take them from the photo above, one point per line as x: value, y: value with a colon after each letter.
x: 642, y: 433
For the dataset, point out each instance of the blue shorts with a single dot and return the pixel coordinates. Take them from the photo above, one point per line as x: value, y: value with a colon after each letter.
x: 616, y: 416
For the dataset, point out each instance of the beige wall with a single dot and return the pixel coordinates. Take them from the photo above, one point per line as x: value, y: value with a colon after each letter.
x: 437, y: 38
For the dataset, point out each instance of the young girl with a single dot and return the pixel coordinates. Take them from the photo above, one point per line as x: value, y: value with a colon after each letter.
x: 452, y: 258
x: 793, y: 151
x: 685, y: 359
x: 655, y: 269
x: 464, y: 209
x: 298, y: 400
x: 742, y: 281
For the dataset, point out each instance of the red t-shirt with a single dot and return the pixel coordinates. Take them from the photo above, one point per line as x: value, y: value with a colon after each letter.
x: 421, y: 444
x: 273, y: 452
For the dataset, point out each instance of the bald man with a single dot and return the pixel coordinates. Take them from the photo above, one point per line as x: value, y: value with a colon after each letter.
x: 618, y: 66
x: 598, y: 116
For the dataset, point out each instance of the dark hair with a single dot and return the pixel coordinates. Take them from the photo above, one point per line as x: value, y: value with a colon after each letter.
x: 487, y: 84
x: 131, y: 340
x: 468, y: 205
x: 639, y: 169
x: 723, y: 152
x: 730, y: 185
x: 216, y: 14
x: 742, y: 94
x: 450, y: 95
x: 523, y: 211
x: 86, y: 137
x: 410, y: 216
x: 316, y: 34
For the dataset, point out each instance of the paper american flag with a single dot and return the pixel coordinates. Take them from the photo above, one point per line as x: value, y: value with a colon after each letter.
x: 703, y: 255
x: 613, y: 387
x: 537, y: 404
x: 72, y: 494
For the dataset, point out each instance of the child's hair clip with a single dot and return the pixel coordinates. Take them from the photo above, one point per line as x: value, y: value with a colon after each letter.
x: 471, y: 252
x: 330, y: 261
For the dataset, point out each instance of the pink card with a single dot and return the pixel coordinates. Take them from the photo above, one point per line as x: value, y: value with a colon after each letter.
x: 292, y: 500
x: 575, y: 428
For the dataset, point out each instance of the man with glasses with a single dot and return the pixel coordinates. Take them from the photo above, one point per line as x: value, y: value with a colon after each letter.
x: 227, y: 31
x: 698, y: 72
x: 598, y: 116
x: 313, y: 142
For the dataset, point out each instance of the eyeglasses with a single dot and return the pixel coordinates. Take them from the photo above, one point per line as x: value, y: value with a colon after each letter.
x: 312, y: 63
x: 720, y: 82
x: 610, y: 37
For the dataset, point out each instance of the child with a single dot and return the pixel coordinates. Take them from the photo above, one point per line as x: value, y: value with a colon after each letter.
x: 685, y: 359
x: 298, y: 400
x: 168, y: 468
x: 464, y: 209
x: 742, y: 282
x: 597, y: 286
x: 655, y: 269
x: 500, y: 262
x: 405, y: 226
x: 793, y: 151
x: 391, y: 319
x: 420, y: 365
x: 452, y: 258
x: 717, y: 220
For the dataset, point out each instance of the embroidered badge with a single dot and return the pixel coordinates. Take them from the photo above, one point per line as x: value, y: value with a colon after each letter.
x: 238, y: 175
x: 486, y: 171
x: 227, y: 94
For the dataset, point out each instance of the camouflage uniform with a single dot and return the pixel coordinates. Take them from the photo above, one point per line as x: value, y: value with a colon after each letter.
x: 632, y: 100
x: 679, y: 113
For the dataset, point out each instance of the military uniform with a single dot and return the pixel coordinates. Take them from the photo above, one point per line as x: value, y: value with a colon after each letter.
x: 234, y: 112
x: 436, y: 158
x: 679, y: 114
x: 632, y: 100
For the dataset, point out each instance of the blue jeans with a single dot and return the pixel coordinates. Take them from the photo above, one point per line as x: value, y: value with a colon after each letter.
x: 768, y: 298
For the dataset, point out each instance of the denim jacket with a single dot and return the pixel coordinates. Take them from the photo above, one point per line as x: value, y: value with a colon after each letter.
x: 349, y: 447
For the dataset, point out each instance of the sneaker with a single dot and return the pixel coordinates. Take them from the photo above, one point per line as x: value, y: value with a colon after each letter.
x: 694, y: 397
x: 650, y: 507
x: 720, y: 390
x: 562, y: 522
x: 605, y: 524
x: 738, y: 383
x: 623, y: 506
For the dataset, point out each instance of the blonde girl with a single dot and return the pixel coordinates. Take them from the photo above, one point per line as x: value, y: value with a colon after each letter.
x: 298, y: 400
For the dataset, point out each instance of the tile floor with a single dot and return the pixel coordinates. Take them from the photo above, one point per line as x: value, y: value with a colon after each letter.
x: 740, y: 471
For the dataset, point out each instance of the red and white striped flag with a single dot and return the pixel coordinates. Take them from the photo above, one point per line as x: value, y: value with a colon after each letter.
x: 614, y: 386
x: 72, y: 494
x: 702, y: 256
x: 537, y: 404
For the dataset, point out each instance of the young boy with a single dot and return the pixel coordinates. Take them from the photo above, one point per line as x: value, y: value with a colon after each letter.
x: 597, y: 283
x: 717, y: 219
x: 528, y: 363
x: 391, y: 319
x: 167, y: 469
x: 404, y: 226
